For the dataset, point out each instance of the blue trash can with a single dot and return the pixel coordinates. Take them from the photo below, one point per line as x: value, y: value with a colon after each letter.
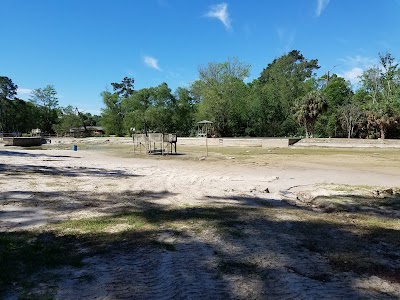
x: 75, y: 147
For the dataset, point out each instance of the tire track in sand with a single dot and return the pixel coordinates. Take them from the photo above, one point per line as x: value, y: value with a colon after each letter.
x: 187, y: 272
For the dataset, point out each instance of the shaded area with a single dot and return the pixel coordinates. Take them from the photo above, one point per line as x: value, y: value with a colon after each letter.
x: 239, y: 251
x: 22, y: 209
x: 23, y: 253
x: 15, y: 170
x: 386, y: 205
x: 252, y: 201
x: 28, y: 154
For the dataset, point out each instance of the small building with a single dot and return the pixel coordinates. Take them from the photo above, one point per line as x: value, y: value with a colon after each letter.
x: 89, y: 132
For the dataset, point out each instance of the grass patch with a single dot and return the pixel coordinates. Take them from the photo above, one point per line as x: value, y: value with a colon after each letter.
x: 351, y: 203
x: 131, y: 221
x: 92, y: 225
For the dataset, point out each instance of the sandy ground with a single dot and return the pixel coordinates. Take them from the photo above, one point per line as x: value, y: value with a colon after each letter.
x: 39, y: 187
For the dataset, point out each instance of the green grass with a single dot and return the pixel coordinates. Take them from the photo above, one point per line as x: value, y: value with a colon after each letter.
x: 101, y: 224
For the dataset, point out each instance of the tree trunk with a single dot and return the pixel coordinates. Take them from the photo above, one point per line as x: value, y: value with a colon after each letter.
x: 305, y: 127
x: 383, y: 132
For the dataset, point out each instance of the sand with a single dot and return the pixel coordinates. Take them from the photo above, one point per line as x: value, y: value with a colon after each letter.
x: 44, y: 186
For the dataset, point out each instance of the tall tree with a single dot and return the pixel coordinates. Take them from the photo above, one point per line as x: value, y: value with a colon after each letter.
x: 372, y: 83
x: 68, y: 119
x: 125, y: 89
x: 112, y: 115
x: 337, y: 92
x: 389, y: 76
x: 350, y: 116
x: 280, y: 84
x: 8, y: 91
x: 220, y: 90
x: 134, y: 109
x: 159, y: 116
x: 47, y: 101
x: 382, y: 85
x: 308, y: 109
x: 185, y: 110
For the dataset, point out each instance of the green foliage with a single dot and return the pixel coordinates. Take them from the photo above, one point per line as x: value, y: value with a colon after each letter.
x: 185, y: 110
x: 8, y: 91
x: 152, y: 109
x: 337, y: 93
x: 68, y: 118
x: 286, y: 94
x: 307, y: 110
x: 112, y: 115
x: 286, y: 79
x: 47, y: 102
x: 125, y: 88
x: 16, y: 115
x: 350, y: 116
x: 221, y: 94
x: 381, y: 87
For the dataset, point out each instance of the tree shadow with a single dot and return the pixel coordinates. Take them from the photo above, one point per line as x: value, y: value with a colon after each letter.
x: 252, y: 201
x: 386, y: 206
x: 11, y: 169
x: 27, y: 154
x: 231, y: 251
x: 23, y: 209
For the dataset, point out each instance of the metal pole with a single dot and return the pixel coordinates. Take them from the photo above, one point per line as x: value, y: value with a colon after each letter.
x: 206, y: 147
x: 162, y: 144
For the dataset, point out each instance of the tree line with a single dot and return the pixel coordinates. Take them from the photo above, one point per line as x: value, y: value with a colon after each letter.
x: 287, y: 99
x: 41, y: 111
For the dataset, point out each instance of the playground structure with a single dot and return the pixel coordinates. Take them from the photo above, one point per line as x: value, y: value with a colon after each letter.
x: 205, y: 128
x: 155, y: 143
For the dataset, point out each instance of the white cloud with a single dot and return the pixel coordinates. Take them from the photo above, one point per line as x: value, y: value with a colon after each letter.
x: 152, y: 62
x: 354, y: 66
x: 24, y: 91
x: 321, y: 5
x: 353, y: 75
x: 220, y: 11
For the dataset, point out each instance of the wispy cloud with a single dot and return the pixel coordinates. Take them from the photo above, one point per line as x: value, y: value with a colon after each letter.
x: 321, y: 5
x: 363, y: 61
x: 24, y: 91
x: 286, y: 38
x: 152, y: 62
x: 220, y: 12
x: 354, y: 66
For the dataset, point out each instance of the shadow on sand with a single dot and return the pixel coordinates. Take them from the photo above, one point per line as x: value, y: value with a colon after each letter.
x: 231, y: 251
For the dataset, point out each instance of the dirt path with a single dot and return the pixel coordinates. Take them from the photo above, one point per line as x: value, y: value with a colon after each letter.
x: 251, y: 250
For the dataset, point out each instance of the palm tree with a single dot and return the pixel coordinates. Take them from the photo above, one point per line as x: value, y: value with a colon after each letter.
x: 308, y: 109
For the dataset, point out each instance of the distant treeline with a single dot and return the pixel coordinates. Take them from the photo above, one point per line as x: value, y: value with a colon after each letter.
x: 287, y: 99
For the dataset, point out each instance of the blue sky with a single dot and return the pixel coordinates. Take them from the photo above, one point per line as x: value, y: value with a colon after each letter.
x: 81, y: 46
